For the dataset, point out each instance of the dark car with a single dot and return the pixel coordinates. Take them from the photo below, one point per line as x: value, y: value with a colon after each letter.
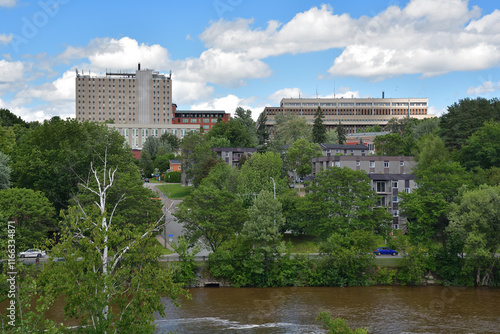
x: 385, y: 251
x: 146, y: 179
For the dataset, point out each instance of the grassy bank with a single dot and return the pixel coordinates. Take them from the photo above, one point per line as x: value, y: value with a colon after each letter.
x: 175, y: 190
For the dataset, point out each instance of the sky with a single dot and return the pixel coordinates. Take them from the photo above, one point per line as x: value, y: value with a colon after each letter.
x: 251, y: 53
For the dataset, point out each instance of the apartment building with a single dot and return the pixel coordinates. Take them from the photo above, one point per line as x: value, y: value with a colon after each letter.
x: 389, y: 176
x: 355, y: 114
x: 232, y: 155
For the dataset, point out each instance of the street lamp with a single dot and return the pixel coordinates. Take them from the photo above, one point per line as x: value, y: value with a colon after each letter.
x: 274, y: 184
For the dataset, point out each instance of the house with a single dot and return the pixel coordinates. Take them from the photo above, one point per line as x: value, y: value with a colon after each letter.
x: 347, y: 149
x: 232, y: 155
x: 175, y: 165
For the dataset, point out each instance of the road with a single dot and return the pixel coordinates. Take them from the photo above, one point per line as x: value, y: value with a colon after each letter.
x: 174, y: 228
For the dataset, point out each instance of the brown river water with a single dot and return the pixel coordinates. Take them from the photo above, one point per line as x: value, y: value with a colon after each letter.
x: 392, y: 309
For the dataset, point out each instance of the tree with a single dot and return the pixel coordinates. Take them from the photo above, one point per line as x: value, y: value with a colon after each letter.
x: 155, y: 146
x: 466, y: 117
x: 162, y: 162
x: 339, y: 198
x: 474, y: 223
x: 340, y: 133
x: 439, y: 182
x: 262, y: 133
x: 290, y: 127
x: 482, y: 148
x: 256, y: 174
x: 430, y: 150
x: 171, y: 140
x: 7, y: 140
x: 397, y: 125
x: 331, y: 137
x: 374, y: 128
x: 110, y: 277
x: 299, y: 156
x: 196, y: 151
x: 211, y: 215
x: 32, y: 213
x: 244, y: 117
x: 318, y: 129
x: 5, y: 171
x: 390, y: 144
x: 52, y: 156
x: 262, y: 239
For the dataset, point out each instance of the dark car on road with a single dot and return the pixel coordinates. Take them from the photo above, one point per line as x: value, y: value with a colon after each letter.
x: 385, y: 251
x: 146, y: 179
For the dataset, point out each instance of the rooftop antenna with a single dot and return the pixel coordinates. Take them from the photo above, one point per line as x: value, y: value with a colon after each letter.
x: 316, y: 91
x: 334, y: 89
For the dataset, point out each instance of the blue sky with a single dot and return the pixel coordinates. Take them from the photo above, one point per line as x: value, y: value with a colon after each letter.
x: 251, y: 53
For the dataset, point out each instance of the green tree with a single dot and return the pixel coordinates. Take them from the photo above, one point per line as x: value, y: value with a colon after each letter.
x: 256, y: 174
x: 196, y: 151
x: 32, y: 213
x: 466, y: 117
x: 262, y: 133
x: 345, y: 257
x: 263, y: 241
x: 110, y: 278
x: 146, y: 164
x: 474, y: 223
x: 299, y: 156
x: 171, y: 140
x: 211, y: 215
x: 431, y: 150
x: 162, y: 162
x: 155, y: 146
x: 390, y: 144
x: 318, y: 129
x: 426, y: 207
x: 5, y: 171
x: 374, y: 128
x: 340, y: 133
x: 244, y: 117
x: 331, y: 137
x: 290, y: 127
x: 53, y: 155
x: 339, y: 198
x: 482, y: 148
x: 397, y: 125
x: 7, y: 140
x: 8, y: 119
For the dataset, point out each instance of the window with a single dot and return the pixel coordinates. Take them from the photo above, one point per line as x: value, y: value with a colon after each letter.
x: 381, y: 186
x: 358, y: 163
x: 386, y: 164
x: 206, y: 127
x: 394, y: 184
x: 381, y: 201
x: 395, y: 226
x: 395, y: 199
x: 194, y: 120
x: 206, y: 120
x: 407, y: 190
x: 372, y: 164
x: 185, y: 120
x: 401, y: 163
x: 395, y: 213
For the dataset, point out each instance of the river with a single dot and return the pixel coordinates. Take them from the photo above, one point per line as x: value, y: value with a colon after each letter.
x: 391, y: 309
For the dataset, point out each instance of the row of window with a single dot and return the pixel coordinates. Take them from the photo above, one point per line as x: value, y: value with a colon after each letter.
x: 359, y: 104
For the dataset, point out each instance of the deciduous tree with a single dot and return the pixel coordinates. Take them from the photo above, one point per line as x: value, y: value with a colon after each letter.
x: 299, y: 156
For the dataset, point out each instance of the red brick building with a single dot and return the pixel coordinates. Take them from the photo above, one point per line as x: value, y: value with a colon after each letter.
x: 204, y: 118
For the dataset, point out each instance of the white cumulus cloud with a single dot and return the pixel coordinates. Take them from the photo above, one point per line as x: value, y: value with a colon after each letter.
x: 8, y: 3
x: 485, y: 88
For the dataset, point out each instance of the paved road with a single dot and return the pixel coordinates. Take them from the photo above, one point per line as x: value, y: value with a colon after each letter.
x: 173, y: 226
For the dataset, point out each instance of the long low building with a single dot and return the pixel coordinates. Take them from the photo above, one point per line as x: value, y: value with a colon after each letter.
x: 355, y: 114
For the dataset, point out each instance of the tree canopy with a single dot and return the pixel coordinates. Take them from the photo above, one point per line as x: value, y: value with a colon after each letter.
x: 318, y: 128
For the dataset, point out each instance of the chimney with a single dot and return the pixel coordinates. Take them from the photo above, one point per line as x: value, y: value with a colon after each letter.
x: 139, y: 66
x: 383, y: 94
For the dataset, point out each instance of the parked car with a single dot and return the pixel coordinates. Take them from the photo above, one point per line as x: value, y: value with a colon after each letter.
x: 146, y: 179
x: 32, y: 253
x: 385, y: 251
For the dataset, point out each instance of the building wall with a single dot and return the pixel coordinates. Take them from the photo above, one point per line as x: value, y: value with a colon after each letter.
x: 143, y: 97
x: 355, y: 114
x: 232, y: 155
x: 203, y: 118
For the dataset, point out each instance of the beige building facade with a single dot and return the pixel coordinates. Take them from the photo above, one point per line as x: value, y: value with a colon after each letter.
x: 137, y: 105
x: 355, y: 114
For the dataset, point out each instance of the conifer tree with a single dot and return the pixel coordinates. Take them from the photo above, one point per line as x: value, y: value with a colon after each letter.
x: 319, y: 129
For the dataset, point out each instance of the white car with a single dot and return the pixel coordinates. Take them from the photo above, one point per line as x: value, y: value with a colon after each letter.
x: 32, y: 253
